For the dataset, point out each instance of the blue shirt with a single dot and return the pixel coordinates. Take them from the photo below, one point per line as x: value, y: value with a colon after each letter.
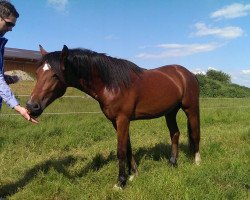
x: 5, y: 91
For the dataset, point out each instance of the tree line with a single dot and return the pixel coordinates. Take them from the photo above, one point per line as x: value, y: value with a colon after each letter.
x: 218, y: 84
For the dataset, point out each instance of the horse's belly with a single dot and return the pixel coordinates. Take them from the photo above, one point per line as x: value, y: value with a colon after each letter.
x: 156, y: 103
x: 151, y: 108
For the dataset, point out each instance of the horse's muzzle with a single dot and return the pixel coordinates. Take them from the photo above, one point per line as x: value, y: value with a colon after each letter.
x: 34, y: 109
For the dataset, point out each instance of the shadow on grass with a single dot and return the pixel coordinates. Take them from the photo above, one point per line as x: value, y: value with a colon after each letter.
x: 158, y: 152
x: 58, y: 165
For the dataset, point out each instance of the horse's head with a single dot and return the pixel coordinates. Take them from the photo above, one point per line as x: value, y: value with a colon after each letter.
x: 50, y: 81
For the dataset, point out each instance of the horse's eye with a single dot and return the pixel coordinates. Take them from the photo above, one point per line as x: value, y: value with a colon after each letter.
x: 55, y: 77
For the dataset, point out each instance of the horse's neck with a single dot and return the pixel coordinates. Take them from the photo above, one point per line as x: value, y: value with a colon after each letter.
x: 76, y: 81
x: 94, y: 88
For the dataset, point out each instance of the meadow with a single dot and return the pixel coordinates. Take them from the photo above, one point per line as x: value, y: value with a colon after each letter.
x: 71, y: 153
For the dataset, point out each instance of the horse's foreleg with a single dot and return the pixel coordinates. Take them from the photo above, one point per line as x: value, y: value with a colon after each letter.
x: 174, y: 134
x: 131, y: 162
x: 122, y: 126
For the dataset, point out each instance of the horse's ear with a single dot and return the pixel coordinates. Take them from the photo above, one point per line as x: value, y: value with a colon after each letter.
x: 42, y: 50
x: 64, y: 55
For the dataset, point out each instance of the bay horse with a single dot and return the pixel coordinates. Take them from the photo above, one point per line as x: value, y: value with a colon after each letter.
x: 125, y: 92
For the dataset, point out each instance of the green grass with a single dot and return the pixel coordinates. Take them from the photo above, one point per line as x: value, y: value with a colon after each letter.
x: 74, y: 156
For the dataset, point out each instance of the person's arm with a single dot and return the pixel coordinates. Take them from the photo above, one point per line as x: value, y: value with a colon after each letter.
x: 11, y: 101
x: 6, y: 93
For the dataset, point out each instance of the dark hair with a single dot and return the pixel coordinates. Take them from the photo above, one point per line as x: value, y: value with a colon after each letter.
x: 7, y: 9
x: 114, y: 72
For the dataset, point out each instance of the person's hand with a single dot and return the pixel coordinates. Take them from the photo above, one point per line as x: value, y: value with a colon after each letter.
x: 24, y: 112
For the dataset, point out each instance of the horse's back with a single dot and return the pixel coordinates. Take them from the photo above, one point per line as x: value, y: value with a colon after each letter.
x: 169, y: 77
x: 161, y: 89
x: 186, y: 80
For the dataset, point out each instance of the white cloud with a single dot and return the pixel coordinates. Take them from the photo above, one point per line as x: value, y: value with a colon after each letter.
x: 212, y: 68
x: 246, y: 72
x: 232, y: 11
x: 229, y: 32
x: 59, y: 5
x: 111, y: 37
x: 202, y: 71
x: 242, y: 77
x: 198, y: 71
x: 179, y: 50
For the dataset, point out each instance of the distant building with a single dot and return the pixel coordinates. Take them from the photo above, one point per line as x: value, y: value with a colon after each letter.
x: 21, y: 59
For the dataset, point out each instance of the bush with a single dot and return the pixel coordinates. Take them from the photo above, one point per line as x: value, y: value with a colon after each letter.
x: 218, y: 76
x: 212, y: 87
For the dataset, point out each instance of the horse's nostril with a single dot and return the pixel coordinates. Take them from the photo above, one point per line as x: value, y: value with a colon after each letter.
x: 36, y: 106
x: 33, y: 106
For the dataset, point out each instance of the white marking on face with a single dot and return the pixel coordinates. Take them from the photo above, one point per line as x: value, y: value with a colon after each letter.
x: 46, y: 67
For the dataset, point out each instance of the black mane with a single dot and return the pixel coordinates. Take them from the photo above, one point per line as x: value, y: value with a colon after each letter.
x: 113, y: 71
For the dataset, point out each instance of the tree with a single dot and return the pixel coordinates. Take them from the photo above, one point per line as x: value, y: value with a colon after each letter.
x: 218, y: 76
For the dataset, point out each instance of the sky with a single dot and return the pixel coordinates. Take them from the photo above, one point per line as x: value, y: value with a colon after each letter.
x: 198, y: 34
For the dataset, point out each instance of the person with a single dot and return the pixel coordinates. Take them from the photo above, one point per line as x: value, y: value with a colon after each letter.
x: 8, y: 18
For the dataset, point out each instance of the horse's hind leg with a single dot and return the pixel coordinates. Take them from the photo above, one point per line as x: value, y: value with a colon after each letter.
x: 131, y: 162
x: 174, y: 134
x: 193, y: 116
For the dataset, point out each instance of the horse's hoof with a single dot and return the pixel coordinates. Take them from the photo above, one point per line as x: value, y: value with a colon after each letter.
x: 117, y: 187
x: 197, y: 159
x: 173, y: 162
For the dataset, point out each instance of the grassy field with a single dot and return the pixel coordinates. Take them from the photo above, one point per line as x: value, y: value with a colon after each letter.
x: 73, y: 156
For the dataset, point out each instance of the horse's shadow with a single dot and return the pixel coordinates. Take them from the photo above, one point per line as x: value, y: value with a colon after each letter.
x: 58, y: 165
x: 158, y: 152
